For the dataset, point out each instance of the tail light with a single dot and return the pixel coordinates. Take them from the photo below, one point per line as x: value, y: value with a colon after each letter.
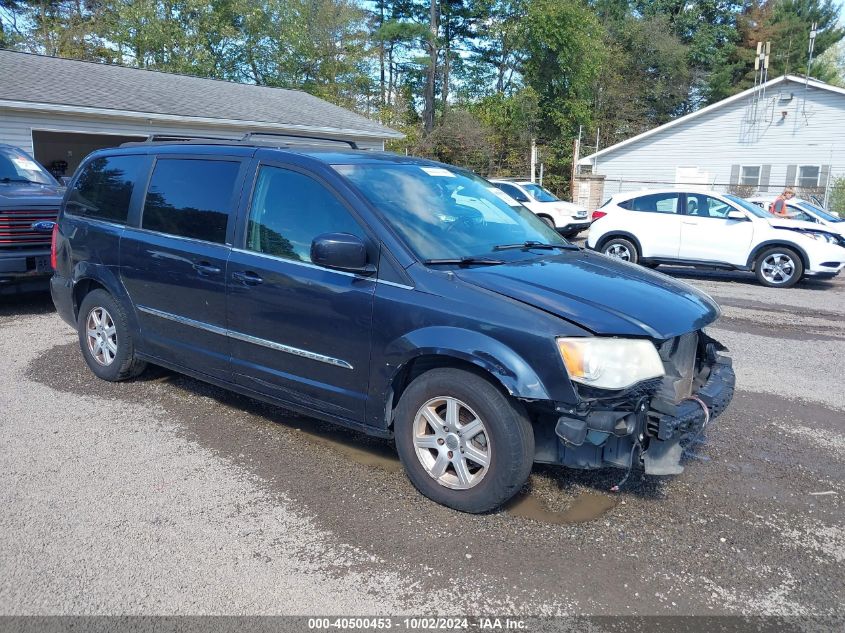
x: 598, y: 213
x: 53, y: 258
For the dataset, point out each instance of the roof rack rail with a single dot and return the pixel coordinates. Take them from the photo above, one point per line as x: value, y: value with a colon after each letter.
x: 249, y: 135
x: 158, y: 138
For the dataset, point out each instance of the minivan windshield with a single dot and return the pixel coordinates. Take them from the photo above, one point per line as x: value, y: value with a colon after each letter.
x: 539, y: 193
x: 15, y: 166
x: 748, y: 206
x: 447, y: 213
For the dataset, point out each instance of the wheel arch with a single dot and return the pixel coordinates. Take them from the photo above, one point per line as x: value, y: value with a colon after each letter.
x: 479, y: 354
x: 755, y: 253
x: 619, y: 234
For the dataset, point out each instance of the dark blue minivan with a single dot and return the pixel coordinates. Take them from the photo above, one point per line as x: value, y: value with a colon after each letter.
x: 394, y: 295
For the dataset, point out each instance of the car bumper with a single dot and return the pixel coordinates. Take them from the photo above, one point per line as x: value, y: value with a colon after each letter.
x: 61, y: 290
x: 645, y: 424
x: 24, y: 270
x: 825, y: 260
x: 575, y: 225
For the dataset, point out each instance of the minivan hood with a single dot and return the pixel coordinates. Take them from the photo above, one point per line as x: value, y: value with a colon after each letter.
x: 604, y: 295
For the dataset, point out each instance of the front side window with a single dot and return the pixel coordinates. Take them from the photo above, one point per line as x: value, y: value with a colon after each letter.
x: 655, y: 203
x: 289, y: 210
x: 104, y: 188
x: 447, y: 213
x: 702, y: 206
x: 750, y: 175
x: 808, y: 176
x: 191, y: 198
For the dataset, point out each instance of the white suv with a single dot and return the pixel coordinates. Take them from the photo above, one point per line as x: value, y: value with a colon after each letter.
x: 569, y: 219
x: 705, y: 228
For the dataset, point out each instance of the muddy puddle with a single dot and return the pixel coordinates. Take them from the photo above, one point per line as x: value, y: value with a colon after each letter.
x: 587, y: 506
x: 381, y: 456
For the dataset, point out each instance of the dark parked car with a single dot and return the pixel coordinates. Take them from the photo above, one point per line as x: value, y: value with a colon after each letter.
x: 29, y: 202
x: 354, y: 287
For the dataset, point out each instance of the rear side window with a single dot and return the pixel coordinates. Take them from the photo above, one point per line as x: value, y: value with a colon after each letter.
x: 655, y: 203
x: 191, y: 198
x: 289, y: 210
x: 104, y: 188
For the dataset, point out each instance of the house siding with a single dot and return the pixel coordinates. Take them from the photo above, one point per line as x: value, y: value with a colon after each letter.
x: 719, y: 142
x: 16, y: 128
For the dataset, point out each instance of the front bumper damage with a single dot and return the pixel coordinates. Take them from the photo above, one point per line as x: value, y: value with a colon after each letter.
x: 648, y: 423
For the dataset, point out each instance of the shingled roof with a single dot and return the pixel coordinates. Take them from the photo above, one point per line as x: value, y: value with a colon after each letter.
x: 39, y: 79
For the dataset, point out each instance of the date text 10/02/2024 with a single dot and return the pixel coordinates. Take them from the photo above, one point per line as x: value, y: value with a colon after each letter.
x: 422, y: 623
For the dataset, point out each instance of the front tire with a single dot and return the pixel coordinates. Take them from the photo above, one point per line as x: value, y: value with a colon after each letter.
x: 779, y: 267
x: 463, y: 443
x: 547, y: 221
x: 106, y: 341
x: 620, y: 248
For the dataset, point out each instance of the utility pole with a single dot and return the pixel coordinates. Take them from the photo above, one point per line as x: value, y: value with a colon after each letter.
x: 810, y: 53
x: 533, y: 158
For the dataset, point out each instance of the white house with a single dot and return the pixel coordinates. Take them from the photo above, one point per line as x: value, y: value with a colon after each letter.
x: 788, y: 132
x: 59, y: 110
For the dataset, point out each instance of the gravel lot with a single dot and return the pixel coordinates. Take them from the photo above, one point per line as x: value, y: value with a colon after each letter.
x: 168, y: 496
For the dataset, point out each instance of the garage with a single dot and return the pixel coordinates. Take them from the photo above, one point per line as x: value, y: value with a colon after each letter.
x: 61, y: 152
x: 60, y: 110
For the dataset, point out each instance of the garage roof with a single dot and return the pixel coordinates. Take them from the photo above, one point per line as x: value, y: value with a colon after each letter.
x: 63, y: 83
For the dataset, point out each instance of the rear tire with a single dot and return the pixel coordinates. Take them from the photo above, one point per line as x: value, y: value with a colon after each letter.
x: 620, y: 248
x: 435, y: 417
x: 105, y: 339
x: 779, y: 267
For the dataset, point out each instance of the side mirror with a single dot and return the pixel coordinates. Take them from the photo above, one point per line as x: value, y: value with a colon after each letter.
x: 736, y: 215
x: 341, y: 251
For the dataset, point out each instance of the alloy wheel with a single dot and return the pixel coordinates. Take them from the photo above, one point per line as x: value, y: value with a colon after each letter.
x: 101, y: 335
x: 778, y: 268
x: 619, y: 251
x: 452, y: 443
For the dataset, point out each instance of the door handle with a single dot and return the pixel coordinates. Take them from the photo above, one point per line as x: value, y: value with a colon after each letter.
x: 248, y: 278
x: 206, y: 268
x: 690, y: 223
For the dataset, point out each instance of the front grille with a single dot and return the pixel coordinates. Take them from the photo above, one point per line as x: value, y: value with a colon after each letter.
x: 678, y: 355
x: 16, y: 227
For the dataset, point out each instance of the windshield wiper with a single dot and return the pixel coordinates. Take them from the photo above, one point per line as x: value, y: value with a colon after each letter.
x: 463, y: 261
x: 533, y: 244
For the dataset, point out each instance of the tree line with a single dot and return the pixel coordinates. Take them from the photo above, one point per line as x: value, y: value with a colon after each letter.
x: 469, y: 82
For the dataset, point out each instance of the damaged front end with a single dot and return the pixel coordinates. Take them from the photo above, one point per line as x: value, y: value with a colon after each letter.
x: 647, y: 422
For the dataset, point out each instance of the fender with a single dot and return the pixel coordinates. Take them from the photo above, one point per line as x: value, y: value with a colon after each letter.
x: 801, y: 252
x: 107, y: 277
x: 511, y: 371
x: 613, y: 234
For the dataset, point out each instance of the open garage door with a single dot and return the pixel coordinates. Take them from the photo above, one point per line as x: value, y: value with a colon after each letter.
x: 61, y: 152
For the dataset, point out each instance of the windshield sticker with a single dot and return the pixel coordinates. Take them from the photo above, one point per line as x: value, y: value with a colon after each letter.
x: 25, y: 163
x: 438, y: 171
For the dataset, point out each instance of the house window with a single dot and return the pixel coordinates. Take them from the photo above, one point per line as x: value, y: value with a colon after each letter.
x: 808, y: 176
x: 750, y: 175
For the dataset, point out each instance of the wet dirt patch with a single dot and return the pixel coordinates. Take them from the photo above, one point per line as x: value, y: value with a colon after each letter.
x: 587, y: 506
x: 381, y: 456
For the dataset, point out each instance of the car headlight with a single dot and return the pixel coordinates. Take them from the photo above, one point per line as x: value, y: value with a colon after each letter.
x: 824, y: 237
x: 610, y: 363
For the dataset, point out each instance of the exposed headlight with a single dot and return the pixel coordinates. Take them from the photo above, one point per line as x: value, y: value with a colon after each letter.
x: 610, y: 363
x: 824, y: 237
